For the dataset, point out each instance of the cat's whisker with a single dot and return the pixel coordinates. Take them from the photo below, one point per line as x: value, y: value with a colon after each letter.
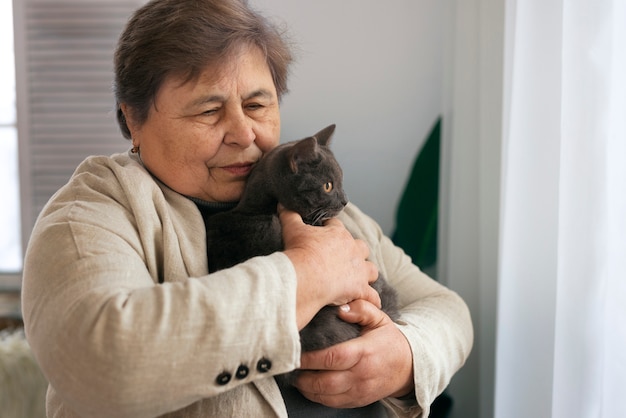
x: 318, y: 216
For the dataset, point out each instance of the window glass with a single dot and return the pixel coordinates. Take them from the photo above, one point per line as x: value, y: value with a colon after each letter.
x: 10, y: 242
x: 7, y: 69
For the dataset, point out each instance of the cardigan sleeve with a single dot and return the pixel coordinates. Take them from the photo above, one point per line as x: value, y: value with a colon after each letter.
x: 111, y: 340
x: 434, y: 319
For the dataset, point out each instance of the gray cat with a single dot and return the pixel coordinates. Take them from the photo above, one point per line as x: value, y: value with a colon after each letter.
x: 305, y: 177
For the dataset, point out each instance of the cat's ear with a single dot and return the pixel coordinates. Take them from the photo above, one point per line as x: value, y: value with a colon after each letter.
x: 324, y: 136
x: 302, y: 151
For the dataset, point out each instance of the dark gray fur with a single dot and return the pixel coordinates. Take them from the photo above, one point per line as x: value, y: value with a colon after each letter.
x: 294, y: 174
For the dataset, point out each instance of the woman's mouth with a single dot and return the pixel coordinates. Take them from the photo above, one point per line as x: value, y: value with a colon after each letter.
x: 239, y: 169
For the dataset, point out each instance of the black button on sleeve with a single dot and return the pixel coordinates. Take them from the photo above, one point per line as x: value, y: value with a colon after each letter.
x: 242, y: 372
x: 264, y: 365
x: 223, y: 378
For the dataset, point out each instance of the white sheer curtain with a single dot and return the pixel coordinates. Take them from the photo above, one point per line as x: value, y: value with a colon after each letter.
x: 561, y: 345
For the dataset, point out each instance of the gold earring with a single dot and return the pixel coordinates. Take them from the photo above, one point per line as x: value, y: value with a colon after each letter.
x: 135, y: 149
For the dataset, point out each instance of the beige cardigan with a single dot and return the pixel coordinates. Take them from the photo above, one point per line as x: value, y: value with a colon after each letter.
x: 114, y: 343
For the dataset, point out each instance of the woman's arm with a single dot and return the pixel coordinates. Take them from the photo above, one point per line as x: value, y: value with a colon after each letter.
x: 114, y: 343
x: 435, y: 327
x: 111, y: 340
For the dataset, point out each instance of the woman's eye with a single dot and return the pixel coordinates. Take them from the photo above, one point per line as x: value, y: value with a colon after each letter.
x: 254, y: 106
x: 328, y: 187
x: 210, y: 112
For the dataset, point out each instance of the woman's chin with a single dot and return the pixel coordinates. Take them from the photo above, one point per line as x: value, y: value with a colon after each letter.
x: 231, y: 193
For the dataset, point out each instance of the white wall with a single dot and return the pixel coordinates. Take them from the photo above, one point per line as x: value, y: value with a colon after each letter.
x: 375, y: 69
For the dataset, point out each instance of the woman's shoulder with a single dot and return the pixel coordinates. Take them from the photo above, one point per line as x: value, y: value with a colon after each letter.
x: 119, y: 181
x: 120, y: 165
x: 102, y: 181
x: 121, y: 173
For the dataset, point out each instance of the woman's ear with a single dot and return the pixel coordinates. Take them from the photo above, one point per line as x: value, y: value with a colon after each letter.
x: 133, y: 128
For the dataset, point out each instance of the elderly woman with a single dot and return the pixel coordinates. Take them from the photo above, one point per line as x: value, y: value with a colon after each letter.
x: 119, y: 307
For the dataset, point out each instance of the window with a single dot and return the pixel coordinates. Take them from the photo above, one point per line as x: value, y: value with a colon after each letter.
x: 64, y: 99
x: 10, y: 242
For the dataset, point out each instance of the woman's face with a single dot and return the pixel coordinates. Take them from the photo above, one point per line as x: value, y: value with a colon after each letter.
x: 202, y: 137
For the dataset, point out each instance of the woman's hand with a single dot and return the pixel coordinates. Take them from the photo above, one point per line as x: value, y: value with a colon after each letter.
x: 376, y: 365
x: 331, y: 265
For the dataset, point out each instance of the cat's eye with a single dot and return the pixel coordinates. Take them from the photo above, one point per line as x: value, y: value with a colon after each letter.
x: 328, y: 187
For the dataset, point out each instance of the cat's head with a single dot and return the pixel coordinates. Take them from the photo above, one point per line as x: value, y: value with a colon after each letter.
x: 312, y: 183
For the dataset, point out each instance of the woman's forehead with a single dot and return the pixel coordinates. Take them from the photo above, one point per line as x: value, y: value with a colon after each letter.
x: 245, y: 69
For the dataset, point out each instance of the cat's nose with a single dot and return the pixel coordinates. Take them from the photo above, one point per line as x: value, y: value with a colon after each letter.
x: 344, y: 200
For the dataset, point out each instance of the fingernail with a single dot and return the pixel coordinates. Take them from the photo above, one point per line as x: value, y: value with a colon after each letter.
x: 345, y: 308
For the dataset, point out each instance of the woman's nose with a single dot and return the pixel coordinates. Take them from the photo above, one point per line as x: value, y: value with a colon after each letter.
x: 239, y: 130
